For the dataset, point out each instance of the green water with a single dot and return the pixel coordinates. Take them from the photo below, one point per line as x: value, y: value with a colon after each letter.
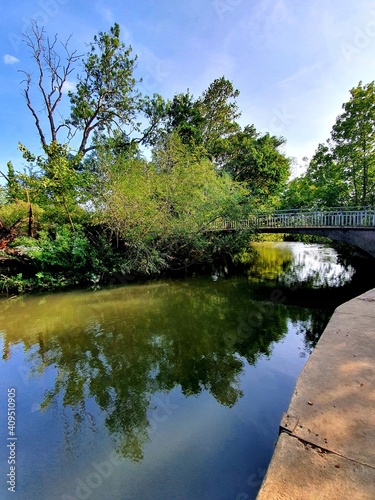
x: 167, y: 390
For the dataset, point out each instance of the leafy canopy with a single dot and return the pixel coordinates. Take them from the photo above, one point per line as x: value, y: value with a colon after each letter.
x: 342, y: 171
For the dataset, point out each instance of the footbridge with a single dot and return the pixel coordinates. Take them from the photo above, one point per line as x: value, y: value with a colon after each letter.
x: 353, y: 226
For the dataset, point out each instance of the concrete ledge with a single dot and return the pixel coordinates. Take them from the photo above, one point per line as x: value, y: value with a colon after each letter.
x: 332, y: 411
x: 299, y: 471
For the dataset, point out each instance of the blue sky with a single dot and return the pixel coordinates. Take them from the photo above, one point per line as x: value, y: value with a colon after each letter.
x: 293, y: 61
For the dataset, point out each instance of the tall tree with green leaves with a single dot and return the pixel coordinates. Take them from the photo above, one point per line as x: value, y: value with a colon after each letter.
x: 185, y: 118
x: 203, y: 120
x: 326, y: 179
x: 298, y: 194
x: 211, y: 124
x: 342, y: 171
x: 353, y: 140
x: 104, y: 103
x: 219, y: 109
x: 13, y: 188
x: 105, y: 98
x: 256, y: 160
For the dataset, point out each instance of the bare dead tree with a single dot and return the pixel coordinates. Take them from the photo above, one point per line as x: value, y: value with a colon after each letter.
x: 52, y: 75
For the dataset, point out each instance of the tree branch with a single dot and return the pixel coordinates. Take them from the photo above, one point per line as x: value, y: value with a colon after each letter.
x: 33, y: 112
x: 50, y: 68
x: 5, y: 176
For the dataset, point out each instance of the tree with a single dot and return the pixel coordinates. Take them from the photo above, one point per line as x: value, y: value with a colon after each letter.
x: 256, y: 160
x: 353, y: 137
x: 54, y: 180
x: 105, y: 103
x: 298, y: 194
x: 52, y: 76
x: 105, y: 98
x: 321, y: 186
x: 163, y: 209
x: 13, y: 189
x: 326, y: 179
x: 210, y: 123
x: 185, y: 118
x: 201, y: 121
x: 219, y: 110
x: 342, y: 171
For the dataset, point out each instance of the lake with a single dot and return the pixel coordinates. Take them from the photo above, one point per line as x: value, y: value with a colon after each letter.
x: 165, y: 390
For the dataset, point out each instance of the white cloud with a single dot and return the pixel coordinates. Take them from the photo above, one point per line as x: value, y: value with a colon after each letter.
x: 266, y: 17
x: 106, y: 14
x: 8, y: 59
x: 68, y: 86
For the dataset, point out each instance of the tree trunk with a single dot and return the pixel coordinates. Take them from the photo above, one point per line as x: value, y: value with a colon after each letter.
x: 30, y: 231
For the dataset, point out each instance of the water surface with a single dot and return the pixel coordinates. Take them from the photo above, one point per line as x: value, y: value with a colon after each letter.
x: 169, y: 390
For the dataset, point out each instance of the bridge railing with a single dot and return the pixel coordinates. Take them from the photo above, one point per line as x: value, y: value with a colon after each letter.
x: 230, y: 225
x: 319, y: 218
x: 338, y: 217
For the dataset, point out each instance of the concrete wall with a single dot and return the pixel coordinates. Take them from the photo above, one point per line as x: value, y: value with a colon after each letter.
x: 326, y: 446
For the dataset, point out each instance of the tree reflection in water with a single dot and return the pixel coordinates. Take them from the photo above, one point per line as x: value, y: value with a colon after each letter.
x: 120, y: 347
x: 290, y: 264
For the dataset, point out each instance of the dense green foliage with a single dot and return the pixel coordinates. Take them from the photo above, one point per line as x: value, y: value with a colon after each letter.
x: 210, y: 122
x: 91, y: 206
x: 342, y: 172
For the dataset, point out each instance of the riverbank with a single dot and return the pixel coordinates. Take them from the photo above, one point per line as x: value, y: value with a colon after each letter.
x: 327, y: 436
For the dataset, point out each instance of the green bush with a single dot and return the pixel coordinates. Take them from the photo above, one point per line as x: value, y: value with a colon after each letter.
x: 10, y: 213
x: 61, y: 258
